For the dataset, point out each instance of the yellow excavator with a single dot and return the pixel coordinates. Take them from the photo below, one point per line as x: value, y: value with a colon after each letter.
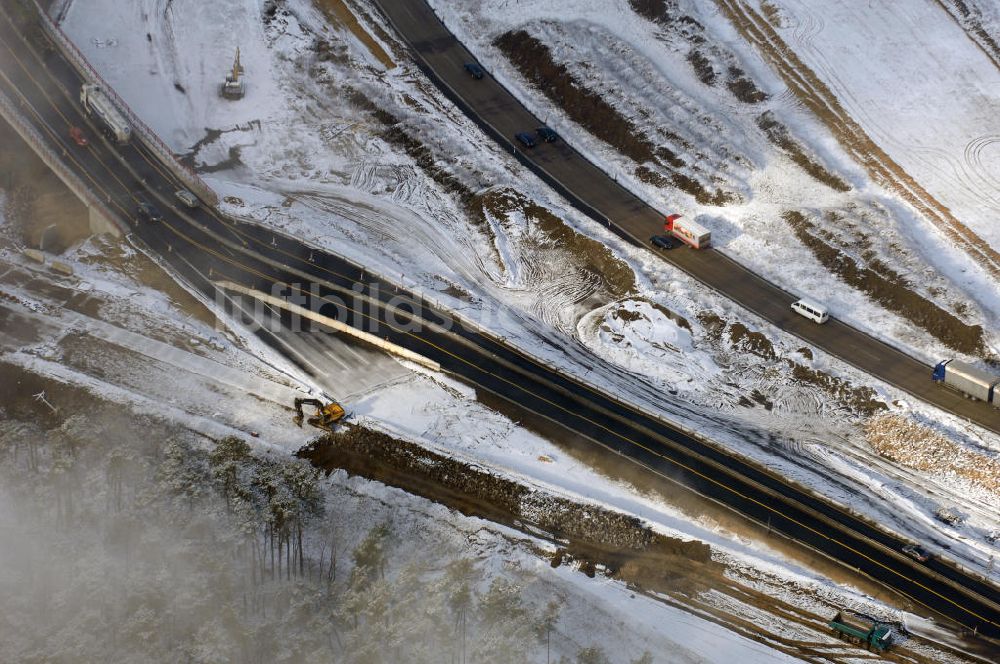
x: 326, y: 415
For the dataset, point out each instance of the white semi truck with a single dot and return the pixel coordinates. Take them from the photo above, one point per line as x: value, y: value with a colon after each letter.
x: 95, y: 102
x: 968, y: 380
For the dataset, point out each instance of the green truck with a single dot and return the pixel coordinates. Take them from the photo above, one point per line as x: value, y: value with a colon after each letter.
x: 870, y: 633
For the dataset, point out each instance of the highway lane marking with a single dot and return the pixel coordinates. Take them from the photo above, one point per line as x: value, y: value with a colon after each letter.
x: 233, y: 228
x: 628, y: 407
x: 157, y: 167
x: 54, y: 135
x: 271, y: 279
x: 526, y: 358
x: 726, y: 291
x: 57, y: 137
x: 586, y: 387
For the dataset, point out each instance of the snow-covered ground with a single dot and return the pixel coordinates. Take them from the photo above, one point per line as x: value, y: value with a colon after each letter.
x: 194, y: 46
x: 315, y: 165
x: 919, y: 86
x: 104, y: 331
x: 642, y: 69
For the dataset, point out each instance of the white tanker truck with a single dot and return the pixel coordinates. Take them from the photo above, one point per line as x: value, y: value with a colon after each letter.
x: 95, y: 102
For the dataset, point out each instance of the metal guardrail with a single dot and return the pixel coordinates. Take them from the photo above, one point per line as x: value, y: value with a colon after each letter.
x: 166, y: 156
x: 10, y: 111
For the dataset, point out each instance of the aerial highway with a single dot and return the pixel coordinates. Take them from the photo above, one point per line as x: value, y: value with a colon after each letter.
x: 442, y: 57
x: 204, y: 248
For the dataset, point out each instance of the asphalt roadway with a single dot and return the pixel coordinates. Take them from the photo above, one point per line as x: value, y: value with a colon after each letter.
x: 442, y: 57
x: 200, y: 246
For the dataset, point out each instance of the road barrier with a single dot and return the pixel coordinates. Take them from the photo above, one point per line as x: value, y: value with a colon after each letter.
x: 166, y: 156
x: 332, y: 323
x: 9, y: 110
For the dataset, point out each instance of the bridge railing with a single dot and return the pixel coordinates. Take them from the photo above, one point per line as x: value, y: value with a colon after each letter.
x: 166, y: 156
x: 13, y: 114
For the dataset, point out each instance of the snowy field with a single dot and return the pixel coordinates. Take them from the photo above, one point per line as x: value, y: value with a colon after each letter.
x: 919, y: 86
x: 94, y: 332
x: 313, y: 164
x: 642, y: 69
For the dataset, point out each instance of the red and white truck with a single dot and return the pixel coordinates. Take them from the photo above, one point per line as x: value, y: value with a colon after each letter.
x: 688, y: 232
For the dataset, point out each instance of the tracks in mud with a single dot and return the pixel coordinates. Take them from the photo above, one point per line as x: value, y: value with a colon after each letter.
x: 819, y: 99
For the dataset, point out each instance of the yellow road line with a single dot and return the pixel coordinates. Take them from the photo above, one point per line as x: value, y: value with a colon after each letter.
x: 500, y: 378
x: 592, y: 422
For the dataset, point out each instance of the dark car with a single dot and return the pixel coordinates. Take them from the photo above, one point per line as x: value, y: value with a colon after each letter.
x: 547, y: 134
x: 664, y: 241
x: 474, y: 70
x: 78, y: 136
x: 148, y: 211
x: 527, y: 140
x: 917, y: 553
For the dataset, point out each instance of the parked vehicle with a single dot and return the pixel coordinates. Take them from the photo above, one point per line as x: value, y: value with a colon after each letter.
x: 78, y: 136
x: 148, y: 211
x: 526, y: 139
x: 187, y: 198
x: 664, y: 241
x: 95, y: 102
x: 872, y: 634
x: 948, y: 515
x: 811, y: 310
x: 967, y: 379
x: 475, y: 71
x: 917, y: 553
x: 547, y: 134
x: 688, y: 232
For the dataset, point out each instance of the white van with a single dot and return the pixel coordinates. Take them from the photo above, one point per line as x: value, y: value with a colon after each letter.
x: 814, y: 312
x: 187, y: 198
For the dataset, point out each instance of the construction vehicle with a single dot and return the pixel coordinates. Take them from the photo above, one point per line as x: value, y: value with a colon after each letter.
x: 234, y: 87
x: 324, y: 418
x: 872, y: 634
x: 96, y: 102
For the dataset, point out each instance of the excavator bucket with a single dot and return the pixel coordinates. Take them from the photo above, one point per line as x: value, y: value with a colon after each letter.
x: 326, y: 414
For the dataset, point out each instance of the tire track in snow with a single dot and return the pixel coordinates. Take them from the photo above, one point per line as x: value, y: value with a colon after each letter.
x: 827, y: 107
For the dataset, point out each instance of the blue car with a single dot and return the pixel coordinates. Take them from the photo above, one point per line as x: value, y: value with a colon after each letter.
x: 527, y: 140
x: 474, y: 70
x: 148, y: 211
x: 547, y: 134
x: 664, y: 241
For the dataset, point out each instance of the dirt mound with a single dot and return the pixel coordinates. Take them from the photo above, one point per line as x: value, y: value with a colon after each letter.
x: 620, y: 543
x: 818, y: 98
x: 972, y: 23
x: 587, y: 108
x: 550, y: 232
x: 702, y: 67
x: 654, y: 10
x: 395, y: 132
x: 706, y: 59
x: 779, y: 135
x: 889, y: 289
x: 753, y: 342
x: 743, y: 87
x: 860, y: 399
x: 904, y: 441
